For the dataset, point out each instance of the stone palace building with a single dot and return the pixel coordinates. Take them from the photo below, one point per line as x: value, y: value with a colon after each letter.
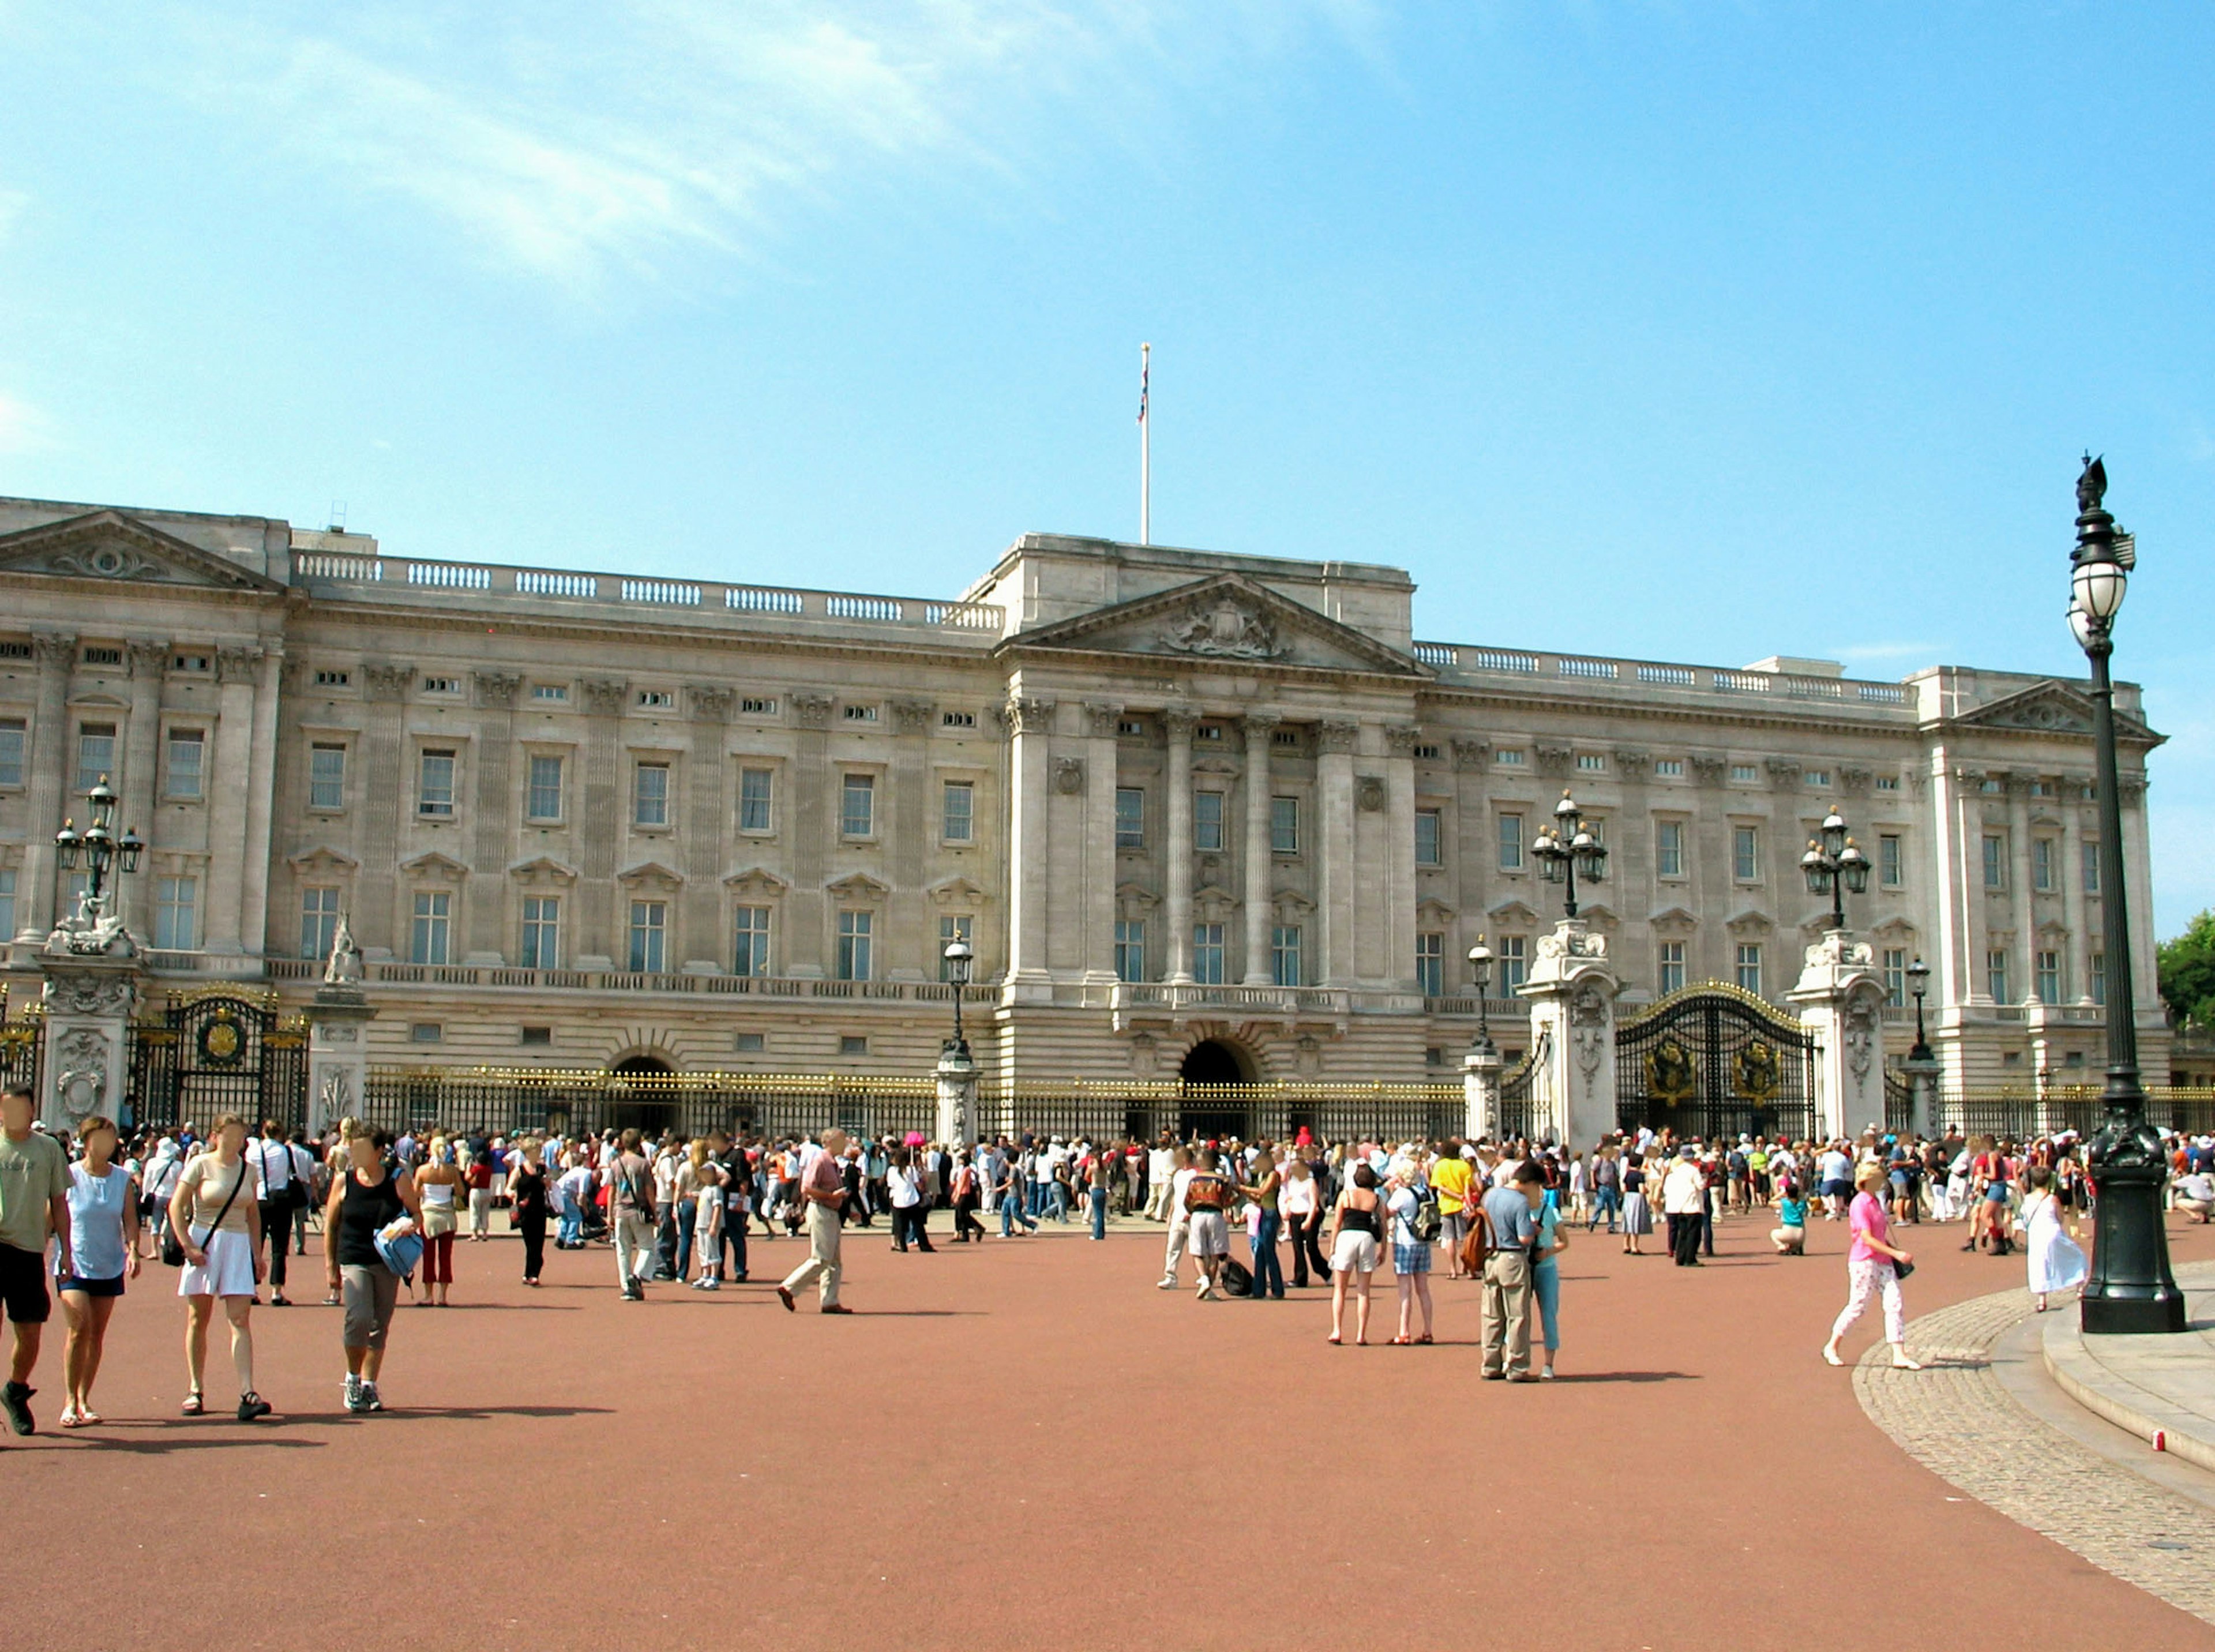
x: 1197, y: 814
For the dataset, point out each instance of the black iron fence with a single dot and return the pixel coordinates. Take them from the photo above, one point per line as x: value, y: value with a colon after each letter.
x: 1714, y: 1061
x: 2024, y: 1114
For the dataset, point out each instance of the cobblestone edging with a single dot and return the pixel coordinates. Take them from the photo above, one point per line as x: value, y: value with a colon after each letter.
x: 1956, y: 1419
x: 2087, y: 1373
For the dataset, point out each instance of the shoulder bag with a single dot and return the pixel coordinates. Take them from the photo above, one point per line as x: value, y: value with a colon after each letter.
x: 173, y: 1248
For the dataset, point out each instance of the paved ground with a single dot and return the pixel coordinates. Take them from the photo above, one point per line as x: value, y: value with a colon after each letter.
x: 1023, y: 1444
x: 2157, y: 1387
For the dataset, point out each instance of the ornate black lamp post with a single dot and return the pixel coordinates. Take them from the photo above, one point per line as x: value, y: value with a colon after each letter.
x: 2130, y: 1289
x: 957, y: 955
x: 102, y: 852
x: 1567, y: 847
x: 1835, y: 866
x: 1480, y: 975
x: 1918, y: 983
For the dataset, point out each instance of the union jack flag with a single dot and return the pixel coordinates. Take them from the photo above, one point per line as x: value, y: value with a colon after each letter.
x: 1145, y: 369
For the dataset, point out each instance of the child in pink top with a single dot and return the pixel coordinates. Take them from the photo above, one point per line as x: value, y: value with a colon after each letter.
x: 1871, y: 1270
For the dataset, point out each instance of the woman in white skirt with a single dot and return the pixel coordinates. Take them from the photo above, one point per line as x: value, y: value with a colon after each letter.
x: 216, y: 1219
x: 2057, y: 1262
x: 1637, y: 1210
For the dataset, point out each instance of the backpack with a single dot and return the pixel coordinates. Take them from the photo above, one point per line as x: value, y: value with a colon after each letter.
x: 1238, y: 1279
x: 1424, y: 1223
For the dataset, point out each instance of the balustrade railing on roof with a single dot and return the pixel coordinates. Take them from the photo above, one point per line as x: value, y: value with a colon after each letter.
x: 332, y: 568
x: 1652, y: 674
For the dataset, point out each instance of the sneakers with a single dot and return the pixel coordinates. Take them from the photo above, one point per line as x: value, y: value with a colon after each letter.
x: 354, y: 1393
x: 15, y: 1400
x: 370, y: 1399
x: 633, y: 1294
x: 252, y: 1405
x: 1167, y: 1284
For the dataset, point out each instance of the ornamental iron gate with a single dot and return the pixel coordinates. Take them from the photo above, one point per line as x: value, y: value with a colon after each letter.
x: 1715, y: 1062
x: 217, y: 1052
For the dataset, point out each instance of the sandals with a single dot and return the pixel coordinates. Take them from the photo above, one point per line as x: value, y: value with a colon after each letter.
x: 1334, y: 1342
x: 193, y: 1406
x: 1400, y: 1341
x: 68, y: 1418
x: 1424, y: 1340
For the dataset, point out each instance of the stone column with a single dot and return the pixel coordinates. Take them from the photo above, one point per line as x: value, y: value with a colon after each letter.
x: 138, y: 787
x: 262, y: 806
x: 815, y: 830
x: 1260, y: 970
x: 1030, y: 728
x: 229, y: 811
x: 492, y: 817
x: 1969, y: 812
x: 600, y: 841
x: 707, y: 815
x: 1923, y: 1096
x: 1334, y: 827
x: 381, y: 791
x: 338, y: 1054
x: 2022, y: 984
x: 85, y: 1068
x: 1176, y: 851
x: 1399, y: 936
x: 2072, y: 887
x: 957, y: 1098
x: 1840, y: 999
x: 911, y: 941
x: 1480, y: 1083
x: 1573, y: 989
x: 1102, y: 768
x: 50, y: 777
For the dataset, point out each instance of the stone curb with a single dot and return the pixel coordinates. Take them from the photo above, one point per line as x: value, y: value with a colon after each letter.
x: 2085, y: 1377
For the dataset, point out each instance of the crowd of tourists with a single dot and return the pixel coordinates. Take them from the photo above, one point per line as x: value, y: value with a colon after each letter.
x: 233, y: 1208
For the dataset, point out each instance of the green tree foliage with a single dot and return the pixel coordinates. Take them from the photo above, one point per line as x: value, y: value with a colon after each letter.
x: 2187, y: 972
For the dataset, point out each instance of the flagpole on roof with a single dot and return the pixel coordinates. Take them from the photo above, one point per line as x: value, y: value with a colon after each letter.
x: 1145, y: 449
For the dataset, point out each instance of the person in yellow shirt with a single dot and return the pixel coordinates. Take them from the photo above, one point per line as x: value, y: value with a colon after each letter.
x: 1450, y: 1179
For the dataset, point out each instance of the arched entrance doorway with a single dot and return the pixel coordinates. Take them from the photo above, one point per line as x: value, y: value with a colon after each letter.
x: 1211, y: 1108
x: 647, y: 1108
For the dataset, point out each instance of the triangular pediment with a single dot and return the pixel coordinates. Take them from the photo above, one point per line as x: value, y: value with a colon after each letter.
x: 322, y: 859
x: 435, y: 865
x: 542, y: 868
x: 1227, y: 619
x: 1511, y: 912
x: 955, y: 892
x: 1747, y: 921
x: 1675, y: 920
x: 650, y: 872
x: 755, y: 881
x: 858, y: 886
x: 107, y: 544
x: 2053, y: 707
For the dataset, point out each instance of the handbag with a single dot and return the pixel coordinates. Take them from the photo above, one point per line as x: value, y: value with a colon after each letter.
x: 1901, y: 1269
x: 173, y: 1248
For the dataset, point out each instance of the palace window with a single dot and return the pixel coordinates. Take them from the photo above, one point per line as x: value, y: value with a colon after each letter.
x: 2090, y: 877
x: 1511, y: 843
x: 1207, y: 821
x: 2045, y: 865
x: 1207, y: 953
x: 860, y: 714
x: 1130, y: 949
x: 649, y: 796
x: 177, y: 914
x: 2098, y: 971
x: 1745, y: 853
x: 954, y: 926
x: 187, y: 747
x: 1430, y: 965
x: 957, y: 720
x: 857, y: 805
x: 542, y: 798
x: 1284, y: 954
x: 1996, y: 974
x: 1889, y: 869
x: 1427, y: 837
x: 1669, y: 768
x: 2049, y: 977
x: 750, y: 955
x: 855, y: 935
x: 541, y: 932
x: 434, y: 785
x: 1995, y: 861
x: 551, y: 693
x: 1744, y: 774
x: 656, y: 699
x: 96, y: 754
x: 326, y: 776
x: 428, y: 934
x: 7, y: 902
x: 1508, y: 758
x: 649, y: 936
x: 1749, y: 966
x: 757, y: 706
x: 1514, y: 963
x: 1130, y: 818
x: 1283, y: 825
x: 1895, y: 975
x: 12, y: 733
x: 1592, y: 762
x: 957, y: 812
x: 1887, y: 782
x: 1669, y: 849
x: 319, y: 922
x: 754, y: 798
x: 1669, y: 977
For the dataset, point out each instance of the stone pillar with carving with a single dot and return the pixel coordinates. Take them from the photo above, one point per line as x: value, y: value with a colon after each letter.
x: 380, y: 788
x: 958, y: 1124
x: 1261, y: 727
x: 50, y: 778
x: 230, y: 764
x: 707, y: 818
x: 1572, y: 988
x: 814, y: 834
x: 261, y: 807
x: 1335, y: 742
x: 1840, y: 999
x: 338, y: 1052
x: 136, y: 787
x: 1101, y: 722
x: 1030, y: 731
x: 89, y: 1002
x: 1398, y: 938
x: 1480, y: 1084
x: 910, y: 939
x: 2073, y: 786
x: 1177, y: 851
x: 492, y: 823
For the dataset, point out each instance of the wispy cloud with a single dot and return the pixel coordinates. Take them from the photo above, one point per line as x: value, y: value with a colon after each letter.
x: 23, y: 429
x: 573, y: 141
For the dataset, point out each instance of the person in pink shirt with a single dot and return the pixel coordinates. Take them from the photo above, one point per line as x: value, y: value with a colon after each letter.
x: 1873, y: 1266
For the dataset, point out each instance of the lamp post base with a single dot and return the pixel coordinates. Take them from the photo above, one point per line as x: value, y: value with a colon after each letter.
x: 2148, y: 1316
x: 2129, y: 1291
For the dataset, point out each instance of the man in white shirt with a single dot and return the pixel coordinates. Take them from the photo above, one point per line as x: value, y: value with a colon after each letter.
x: 278, y: 1189
x: 1160, y: 1165
x: 1180, y: 1178
x: 1685, y: 1201
x: 2196, y: 1195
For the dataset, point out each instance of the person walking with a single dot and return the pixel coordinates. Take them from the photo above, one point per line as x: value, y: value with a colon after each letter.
x: 1511, y: 1231
x: 369, y: 1196
x: 965, y: 1183
x: 1180, y: 1233
x: 1356, y: 1224
x: 823, y: 1189
x: 217, y: 1217
x: 1873, y: 1266
x: 477, y: 1176
x: 2057, y: 1262
x: 1553, y: 1238
x: 34, y: 1206
x: 738, y: 1203
x: 1637, y: 1212
x: 278, y: 1187
x: 905, y: 1183
x: 1099, y: 1168
x: 1267, y: 1186
x: 440, y: 1185
x: 1606, y: 1177
x: 1299, y: 1202
x: 1411, y: 1256
x: 1012, y: 1198
x: 1207, y: 1198
x: 103, y: 1250
x: 629, y: 1182
x: 1684, y: 1204
x: 526, y: 1193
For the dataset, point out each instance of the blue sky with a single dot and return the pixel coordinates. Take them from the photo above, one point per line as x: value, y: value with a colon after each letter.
x: 1695, y: 331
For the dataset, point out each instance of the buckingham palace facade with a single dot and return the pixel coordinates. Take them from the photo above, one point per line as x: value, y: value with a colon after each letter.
x: 1206, y: 815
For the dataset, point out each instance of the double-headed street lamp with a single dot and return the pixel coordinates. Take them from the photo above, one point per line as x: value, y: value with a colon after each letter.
x: 1918, y: 983
x: 1566, y: 847
x: 101, y: 850
x: 1835, y: 866
x: 1480, y: 975
x: 2129, y: 1288
x: 958, y: 957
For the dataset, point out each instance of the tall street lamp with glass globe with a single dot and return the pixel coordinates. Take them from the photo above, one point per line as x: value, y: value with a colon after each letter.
x: 1565, y: 848
x: 958, y: 956
x: 2130, y: 1289
x: 1835, y: 866
x: 1918, y: 983
x: 1480, y: 975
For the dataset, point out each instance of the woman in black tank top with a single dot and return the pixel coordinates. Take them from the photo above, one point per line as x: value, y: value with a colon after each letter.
x: 368, y: 1197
